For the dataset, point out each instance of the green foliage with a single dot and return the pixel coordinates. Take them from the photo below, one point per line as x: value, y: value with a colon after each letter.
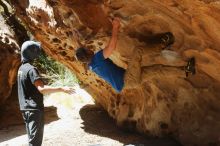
x: 54, y: 73
x: 65, y: 78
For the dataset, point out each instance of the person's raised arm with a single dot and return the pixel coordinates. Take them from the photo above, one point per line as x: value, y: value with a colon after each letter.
x: 47, y: 89
x: 113, y: 41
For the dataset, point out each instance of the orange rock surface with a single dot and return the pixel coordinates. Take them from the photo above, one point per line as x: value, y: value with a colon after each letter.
x: 165, y: 102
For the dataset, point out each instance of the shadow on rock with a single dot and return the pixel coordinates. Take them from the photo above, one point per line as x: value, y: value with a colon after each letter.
x: 97, y: 121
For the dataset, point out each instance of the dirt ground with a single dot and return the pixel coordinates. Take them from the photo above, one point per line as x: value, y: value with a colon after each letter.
x: 77, y: 121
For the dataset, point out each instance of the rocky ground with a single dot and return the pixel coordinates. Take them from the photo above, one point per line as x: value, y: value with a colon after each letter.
x: 77, y: 121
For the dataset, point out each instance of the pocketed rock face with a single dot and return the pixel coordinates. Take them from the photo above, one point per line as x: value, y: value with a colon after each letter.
x: 11, y: 36
x: 165, y: 102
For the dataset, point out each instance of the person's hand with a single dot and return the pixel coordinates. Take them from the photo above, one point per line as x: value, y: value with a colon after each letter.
x: 68, y: 90
x: 116, y: 23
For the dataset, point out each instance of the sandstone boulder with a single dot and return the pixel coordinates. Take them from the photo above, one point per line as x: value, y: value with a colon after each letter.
x: 165, y: 102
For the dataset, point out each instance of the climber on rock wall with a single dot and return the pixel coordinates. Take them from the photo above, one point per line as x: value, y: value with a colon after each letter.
x: 100, y: 63
x: 30, y: 92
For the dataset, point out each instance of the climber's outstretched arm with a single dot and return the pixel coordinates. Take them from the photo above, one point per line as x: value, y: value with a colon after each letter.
x: 113, y: 41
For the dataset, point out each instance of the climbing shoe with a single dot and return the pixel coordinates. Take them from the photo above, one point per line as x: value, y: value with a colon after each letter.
x: 167, y: 39
x: 190, y: 68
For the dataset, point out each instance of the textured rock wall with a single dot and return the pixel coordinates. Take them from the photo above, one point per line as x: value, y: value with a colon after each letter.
x: 165, y: 102
x: 12, y: 34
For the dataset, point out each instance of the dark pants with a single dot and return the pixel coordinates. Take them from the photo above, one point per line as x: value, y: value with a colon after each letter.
x: 34, y: 121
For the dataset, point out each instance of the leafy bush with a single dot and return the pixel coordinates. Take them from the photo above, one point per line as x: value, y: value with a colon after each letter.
x: 54, y: 73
